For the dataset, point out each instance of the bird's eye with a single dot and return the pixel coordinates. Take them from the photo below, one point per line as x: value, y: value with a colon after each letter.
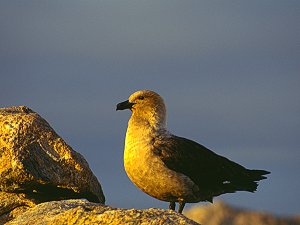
x: 141, y: 97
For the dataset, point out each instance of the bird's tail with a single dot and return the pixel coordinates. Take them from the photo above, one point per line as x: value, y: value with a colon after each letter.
x: 257, y: 175
x: 249, y: 181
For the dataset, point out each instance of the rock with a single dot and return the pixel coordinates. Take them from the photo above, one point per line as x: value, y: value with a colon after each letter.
x: 13, y: 204
x: 221, y: 213
x: 77, y: 212
x: 9, y: 201
x: 35, y: 161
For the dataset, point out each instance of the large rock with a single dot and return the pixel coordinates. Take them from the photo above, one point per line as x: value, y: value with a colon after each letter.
x: 77, y: 212
x: 35, y: 161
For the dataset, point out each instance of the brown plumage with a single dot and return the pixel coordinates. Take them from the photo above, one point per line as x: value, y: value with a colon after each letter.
x: 172, y: 168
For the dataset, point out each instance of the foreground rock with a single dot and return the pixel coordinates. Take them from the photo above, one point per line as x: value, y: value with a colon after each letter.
x: 36, y: 165
x: 221, y: 214
x: 36, y: 161
x: 77, y: 212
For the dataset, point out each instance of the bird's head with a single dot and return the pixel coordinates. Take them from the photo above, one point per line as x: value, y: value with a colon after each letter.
x: 147, y: 105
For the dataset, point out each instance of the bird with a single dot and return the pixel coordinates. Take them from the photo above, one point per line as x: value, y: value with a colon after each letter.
x: 175, y: 169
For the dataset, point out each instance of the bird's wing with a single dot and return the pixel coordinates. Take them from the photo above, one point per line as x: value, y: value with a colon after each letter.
x: 206, y: 168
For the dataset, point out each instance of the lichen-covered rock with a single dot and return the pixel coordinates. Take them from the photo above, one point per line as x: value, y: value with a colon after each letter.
x: 35, y: 161
x: 9, y: 201
x: 77, y: 212
x: 12, y: 204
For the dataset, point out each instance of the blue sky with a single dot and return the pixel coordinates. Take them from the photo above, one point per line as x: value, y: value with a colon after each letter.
x: 229, y: 72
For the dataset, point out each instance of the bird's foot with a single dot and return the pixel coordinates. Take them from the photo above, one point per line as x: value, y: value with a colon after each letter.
x: 181, y: 206
x: 172, y: 205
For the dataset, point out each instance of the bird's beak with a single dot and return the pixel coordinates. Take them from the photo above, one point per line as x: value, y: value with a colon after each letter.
x: 124, y: 105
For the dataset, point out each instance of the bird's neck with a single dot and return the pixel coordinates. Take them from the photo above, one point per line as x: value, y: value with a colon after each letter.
x: 144, y: 130
x: 152, y: 121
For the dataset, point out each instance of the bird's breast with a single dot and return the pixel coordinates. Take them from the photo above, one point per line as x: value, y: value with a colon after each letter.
x: 148, y: 172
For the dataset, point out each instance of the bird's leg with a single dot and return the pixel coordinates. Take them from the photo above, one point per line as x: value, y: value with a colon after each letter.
x: 172, y: 205
x: 181, y: 206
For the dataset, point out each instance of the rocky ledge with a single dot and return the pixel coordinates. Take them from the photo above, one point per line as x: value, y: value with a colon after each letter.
x: 67, y: 212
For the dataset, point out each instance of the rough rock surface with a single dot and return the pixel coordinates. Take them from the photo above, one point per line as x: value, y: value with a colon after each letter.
x: 35, y: 161
x: 220, y: 213
x: 13, y: 204
x: 77, y: 212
